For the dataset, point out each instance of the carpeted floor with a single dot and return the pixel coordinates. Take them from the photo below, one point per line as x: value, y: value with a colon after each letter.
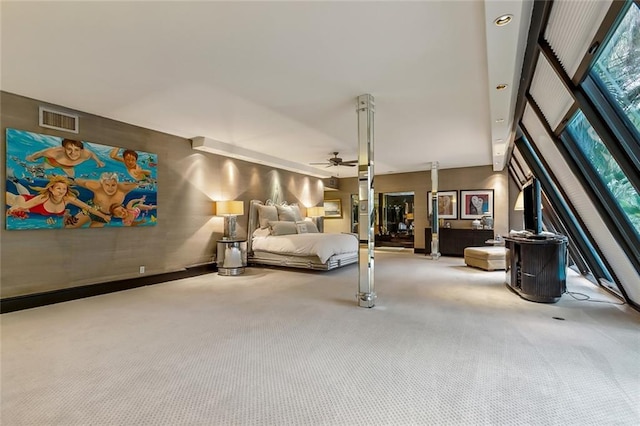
x: 445, y: 345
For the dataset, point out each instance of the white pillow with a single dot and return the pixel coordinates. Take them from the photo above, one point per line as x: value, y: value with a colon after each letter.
x: 287, y: 213
x: 266, y: 214
x: 308, y: 226
x: 280, y: 227
x: 297, y: 214
x: 260, y: 233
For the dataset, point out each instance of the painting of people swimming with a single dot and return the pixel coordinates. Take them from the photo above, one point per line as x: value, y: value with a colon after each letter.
x: 56, y: 182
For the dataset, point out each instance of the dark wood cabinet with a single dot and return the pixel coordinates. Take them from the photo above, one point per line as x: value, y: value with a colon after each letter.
x: 396, y: 240
x: 453, y: 241
x: 537, y: 268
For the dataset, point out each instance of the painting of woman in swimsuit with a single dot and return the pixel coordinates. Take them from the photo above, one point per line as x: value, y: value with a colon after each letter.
x: 51, y: 201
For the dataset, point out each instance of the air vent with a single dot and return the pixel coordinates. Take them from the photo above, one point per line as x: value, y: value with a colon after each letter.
x: 58, y: 120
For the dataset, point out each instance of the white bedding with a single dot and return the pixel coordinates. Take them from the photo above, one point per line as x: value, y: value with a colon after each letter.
x: 322, y: 245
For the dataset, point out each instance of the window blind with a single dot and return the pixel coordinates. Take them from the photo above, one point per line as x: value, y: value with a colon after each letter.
x: 571, y: 28
x: 549, y: 93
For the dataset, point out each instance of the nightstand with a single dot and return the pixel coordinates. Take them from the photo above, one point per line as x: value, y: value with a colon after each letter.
x: 231, y: 257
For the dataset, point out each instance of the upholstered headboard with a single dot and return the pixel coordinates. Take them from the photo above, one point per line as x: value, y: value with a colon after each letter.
x: 253, y: 222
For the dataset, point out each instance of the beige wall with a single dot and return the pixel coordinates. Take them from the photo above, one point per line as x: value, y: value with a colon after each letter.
x: 469, y: 178
x: 33, y: 261
x: 516, y: 218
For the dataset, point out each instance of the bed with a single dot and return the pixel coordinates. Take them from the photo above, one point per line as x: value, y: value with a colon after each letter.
x: 278, y: 235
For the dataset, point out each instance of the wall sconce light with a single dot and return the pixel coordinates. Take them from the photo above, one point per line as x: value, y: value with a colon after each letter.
x: 230, y: 210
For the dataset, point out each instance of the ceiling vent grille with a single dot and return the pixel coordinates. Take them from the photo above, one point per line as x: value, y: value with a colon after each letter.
x: 58, y: 120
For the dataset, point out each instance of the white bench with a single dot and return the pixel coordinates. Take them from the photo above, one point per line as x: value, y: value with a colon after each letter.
x: 489, y: 258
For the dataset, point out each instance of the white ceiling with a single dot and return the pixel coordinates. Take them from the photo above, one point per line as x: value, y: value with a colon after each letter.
x: 280, y: 79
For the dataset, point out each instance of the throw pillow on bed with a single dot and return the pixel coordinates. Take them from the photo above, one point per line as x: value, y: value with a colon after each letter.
x: 297, y: 214
x: 280, y: 227
x: 306, y: 227
x: 267, y: 214
x: 289, y: 213
x: 261, y: 233
x: 301, y: 227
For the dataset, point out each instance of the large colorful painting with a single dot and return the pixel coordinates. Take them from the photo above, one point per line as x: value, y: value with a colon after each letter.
x: 55, y: 182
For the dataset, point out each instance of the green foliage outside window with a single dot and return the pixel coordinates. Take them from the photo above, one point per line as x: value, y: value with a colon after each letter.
x: 617, y: 69
x: 603, y: 163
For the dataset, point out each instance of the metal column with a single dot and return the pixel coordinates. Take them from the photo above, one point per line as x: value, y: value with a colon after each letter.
x: 435, y: 229
x: 366, y: 216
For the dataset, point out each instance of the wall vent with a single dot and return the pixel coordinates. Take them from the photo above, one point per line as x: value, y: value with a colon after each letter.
x: 59, y: 120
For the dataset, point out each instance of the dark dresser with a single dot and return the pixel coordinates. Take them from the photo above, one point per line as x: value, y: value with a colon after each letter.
x: 453, y: 241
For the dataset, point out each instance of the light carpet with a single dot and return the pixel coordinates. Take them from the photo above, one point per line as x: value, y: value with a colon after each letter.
x: 445, y: 345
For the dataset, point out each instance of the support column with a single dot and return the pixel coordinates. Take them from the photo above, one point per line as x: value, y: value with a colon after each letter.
x: 366, y: 216
x: 435, y: 228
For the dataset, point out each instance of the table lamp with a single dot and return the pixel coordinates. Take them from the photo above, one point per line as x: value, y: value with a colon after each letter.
x: 230, y: 210
x: 519, y: 206
x: 317, y: 214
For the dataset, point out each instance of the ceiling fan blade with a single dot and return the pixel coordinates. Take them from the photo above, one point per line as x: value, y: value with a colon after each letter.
x: 350, y: 162
x: 319, y: 164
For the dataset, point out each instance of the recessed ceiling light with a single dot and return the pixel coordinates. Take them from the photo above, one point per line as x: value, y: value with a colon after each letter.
x: 501, y: 86
x: 503, y: 20
x: 500, y: 120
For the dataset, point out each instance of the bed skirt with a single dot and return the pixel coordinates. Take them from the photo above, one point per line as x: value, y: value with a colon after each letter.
x: 303, y: 262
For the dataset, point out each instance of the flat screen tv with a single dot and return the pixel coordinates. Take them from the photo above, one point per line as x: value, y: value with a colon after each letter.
x: 532, y: 206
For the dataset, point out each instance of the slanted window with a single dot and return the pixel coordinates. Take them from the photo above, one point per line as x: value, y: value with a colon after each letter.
x: 606, y: 168
x: 617, y: 69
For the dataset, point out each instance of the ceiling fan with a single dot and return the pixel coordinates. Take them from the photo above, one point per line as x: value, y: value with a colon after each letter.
x: 336, y: 161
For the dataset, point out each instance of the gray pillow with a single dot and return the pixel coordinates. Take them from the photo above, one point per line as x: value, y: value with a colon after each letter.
x: 297, y: 214
x: 287, y: 213
x: 267, y: 214
x: 279, y: 227
x: 306, y: 227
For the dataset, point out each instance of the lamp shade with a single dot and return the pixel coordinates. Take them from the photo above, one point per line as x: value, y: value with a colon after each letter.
x: 315, y: 211
x: 229, y: 208
x: 519, y: 202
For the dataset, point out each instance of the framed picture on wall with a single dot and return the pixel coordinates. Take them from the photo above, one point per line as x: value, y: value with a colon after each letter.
x: 475, y: 204
x: 332, y: 209
x: 54, y: 182
x: 447, y: 204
